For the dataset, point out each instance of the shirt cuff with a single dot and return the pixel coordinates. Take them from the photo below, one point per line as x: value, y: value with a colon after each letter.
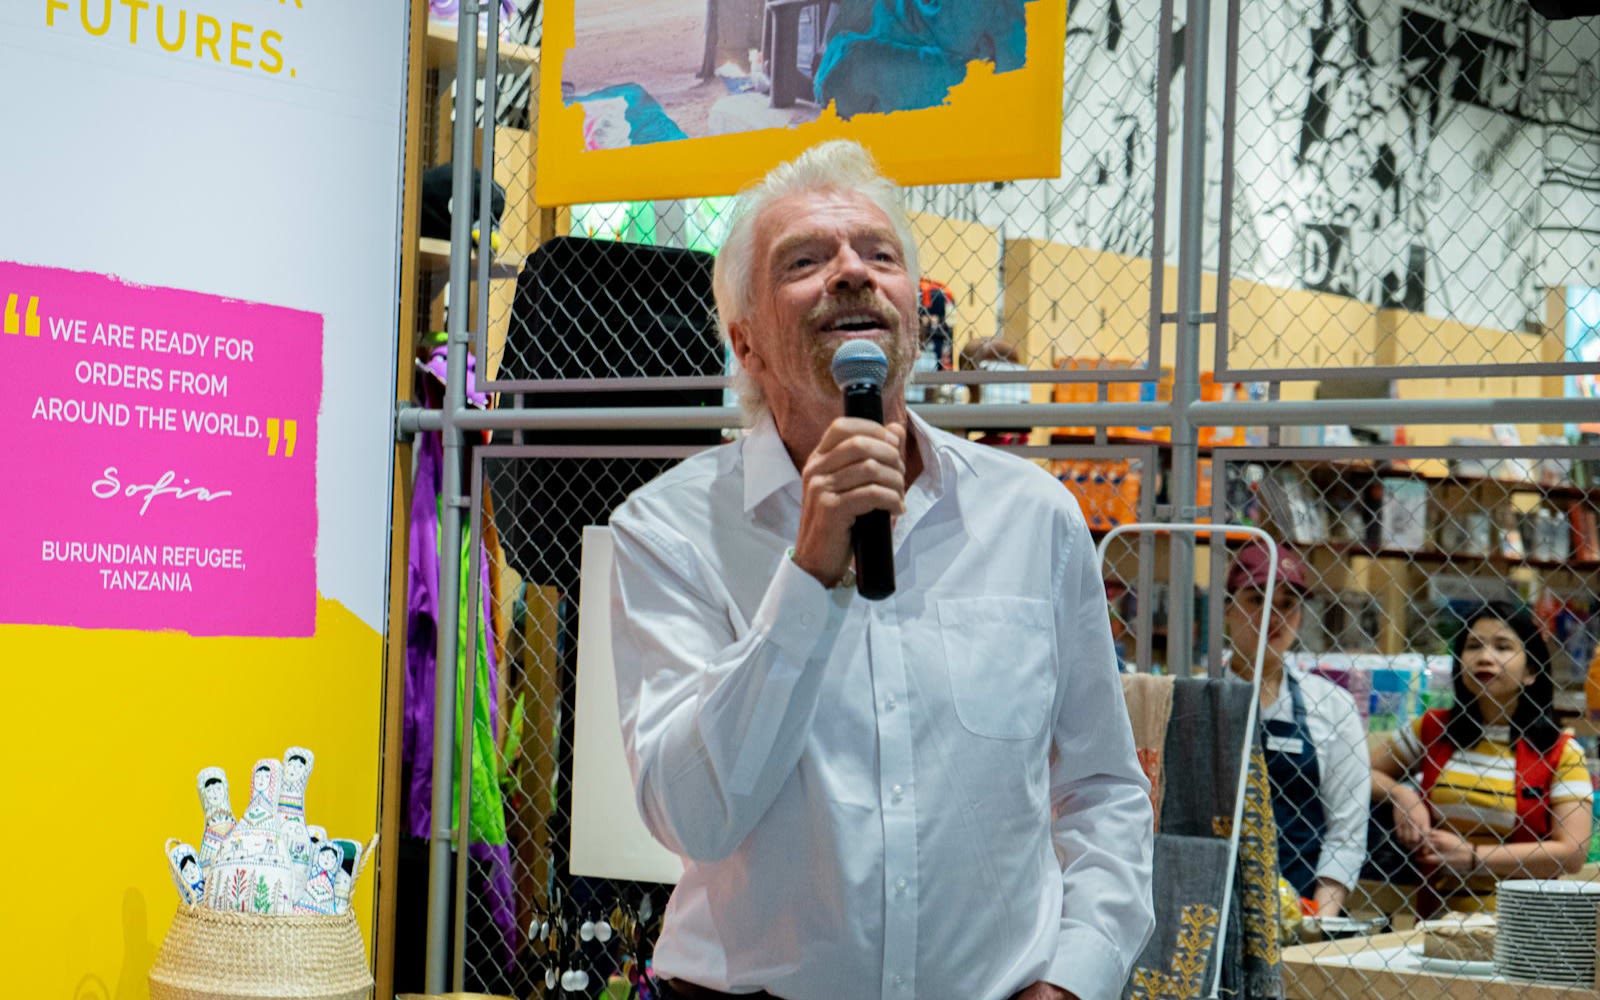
x: 1086, y: 964
x: 798, y: 613
x: 1340, y: 873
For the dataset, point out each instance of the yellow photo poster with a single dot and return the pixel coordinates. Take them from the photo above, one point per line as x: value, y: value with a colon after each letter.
x: 645, y: 99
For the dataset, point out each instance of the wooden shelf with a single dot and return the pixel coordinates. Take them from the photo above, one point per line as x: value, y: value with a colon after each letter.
x: 1374, y: 470
x: 1429, y: 556
x: 434, y: 255
x: 1124, y: 440
x: 1434, y: 557
x: 1581, y: 726
x: 440, y: 51
x: 1563, y: 492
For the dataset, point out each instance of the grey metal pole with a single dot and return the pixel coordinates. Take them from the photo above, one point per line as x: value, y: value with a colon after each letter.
x: 1186, y: 357
x: 441, y: 844
x: 1398, y: 411
x: 467, y: 657
x: 416, y: 420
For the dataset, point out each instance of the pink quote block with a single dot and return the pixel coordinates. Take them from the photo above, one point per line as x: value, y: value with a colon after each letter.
x: 162, y: 473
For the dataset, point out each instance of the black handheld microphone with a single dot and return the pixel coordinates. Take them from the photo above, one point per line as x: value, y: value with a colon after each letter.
x: 859, y: 370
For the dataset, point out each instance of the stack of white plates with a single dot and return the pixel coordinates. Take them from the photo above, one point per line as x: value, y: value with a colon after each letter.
x: 1547, y: 930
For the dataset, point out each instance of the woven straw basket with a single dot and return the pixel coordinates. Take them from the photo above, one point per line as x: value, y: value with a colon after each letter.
x: 212, y: 955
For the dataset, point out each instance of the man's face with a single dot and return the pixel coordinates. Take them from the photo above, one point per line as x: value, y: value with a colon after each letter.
x: 294, y: 769
x: 828, y: 268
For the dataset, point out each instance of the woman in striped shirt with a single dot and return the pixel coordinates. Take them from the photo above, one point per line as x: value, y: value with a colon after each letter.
x: 1492, y: 788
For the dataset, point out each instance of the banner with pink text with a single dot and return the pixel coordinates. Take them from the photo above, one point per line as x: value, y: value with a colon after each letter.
x: 166, y: 453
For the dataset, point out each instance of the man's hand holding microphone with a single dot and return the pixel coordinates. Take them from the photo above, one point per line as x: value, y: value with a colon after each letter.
x: 854, y: 481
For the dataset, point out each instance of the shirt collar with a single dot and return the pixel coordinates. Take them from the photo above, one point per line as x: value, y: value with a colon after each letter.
x: 767, y: 465
x: 768, y: 468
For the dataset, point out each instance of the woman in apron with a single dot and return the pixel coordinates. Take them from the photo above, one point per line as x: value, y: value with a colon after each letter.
x: 1314, y: 740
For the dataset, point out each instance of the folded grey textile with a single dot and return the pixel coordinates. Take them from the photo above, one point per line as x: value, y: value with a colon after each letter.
x: 1178, y: 960
x: 1206, y: 734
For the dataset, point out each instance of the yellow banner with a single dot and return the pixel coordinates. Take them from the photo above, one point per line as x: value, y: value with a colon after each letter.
x: 644, y: 99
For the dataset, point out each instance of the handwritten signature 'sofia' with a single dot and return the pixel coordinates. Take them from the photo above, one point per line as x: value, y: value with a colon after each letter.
x: 108, y: 487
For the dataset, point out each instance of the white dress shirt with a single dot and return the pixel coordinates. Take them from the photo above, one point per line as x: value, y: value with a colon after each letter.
x: 1339, y: 736
x: 861, y: 791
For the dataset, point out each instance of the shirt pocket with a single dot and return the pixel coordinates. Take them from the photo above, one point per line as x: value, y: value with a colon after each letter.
x: 1000, y: 653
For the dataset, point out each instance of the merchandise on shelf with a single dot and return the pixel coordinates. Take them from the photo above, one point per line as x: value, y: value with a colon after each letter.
x: 1158, y: 390
x: 1390, y: 692
x: 1403, y: 514
x: 1107, y: 491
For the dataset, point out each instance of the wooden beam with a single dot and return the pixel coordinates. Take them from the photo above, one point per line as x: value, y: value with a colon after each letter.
x: 393, y: 719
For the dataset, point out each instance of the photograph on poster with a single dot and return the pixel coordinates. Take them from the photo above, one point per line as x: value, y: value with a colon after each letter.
x: 670, y: 99
x: 649, y: 71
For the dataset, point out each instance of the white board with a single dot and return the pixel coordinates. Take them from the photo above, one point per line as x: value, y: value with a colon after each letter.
x: 609, y: 840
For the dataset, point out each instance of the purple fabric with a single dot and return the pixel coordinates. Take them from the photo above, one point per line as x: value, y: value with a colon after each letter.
x: 422, y: 607
x: 422, y: 617
x: 437, y: 364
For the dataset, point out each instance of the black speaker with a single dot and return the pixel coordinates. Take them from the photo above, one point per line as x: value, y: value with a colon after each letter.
x: 602, y: 309
x: 599, y: 309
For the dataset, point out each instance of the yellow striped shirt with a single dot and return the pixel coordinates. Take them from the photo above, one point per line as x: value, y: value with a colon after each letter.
x: 1476, y: 791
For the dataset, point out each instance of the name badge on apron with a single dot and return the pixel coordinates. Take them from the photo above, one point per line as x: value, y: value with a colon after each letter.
x: 1286, y: 744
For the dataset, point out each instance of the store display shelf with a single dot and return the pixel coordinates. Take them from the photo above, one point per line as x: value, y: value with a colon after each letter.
x: 1123, y: 439
x: 434, y: 255
x: 441, y: 50
x: 1565, y: 491
x: 1433, y: 556
x: 1368, y: 468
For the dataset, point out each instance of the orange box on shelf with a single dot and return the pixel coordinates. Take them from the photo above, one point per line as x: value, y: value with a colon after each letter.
x: 1159, y: 391
x: 1125, y: 392
x: 1072, y: 392
x: 1088, y: 392
x: 1123, y: 503
x: 1212, y: 391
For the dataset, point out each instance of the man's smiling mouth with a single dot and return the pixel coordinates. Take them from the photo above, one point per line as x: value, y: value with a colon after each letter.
x: 855, y: 323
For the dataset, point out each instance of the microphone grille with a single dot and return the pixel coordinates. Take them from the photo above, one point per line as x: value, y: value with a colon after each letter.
x: 859, y: 362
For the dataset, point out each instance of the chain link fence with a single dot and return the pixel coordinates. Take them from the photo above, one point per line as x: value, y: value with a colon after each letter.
x: 1402, y: 203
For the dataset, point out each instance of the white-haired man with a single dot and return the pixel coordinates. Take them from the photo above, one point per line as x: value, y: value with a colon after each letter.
x: 862, y: 792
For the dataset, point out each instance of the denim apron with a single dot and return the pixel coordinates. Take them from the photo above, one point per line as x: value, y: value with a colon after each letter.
x: 1296, y: 794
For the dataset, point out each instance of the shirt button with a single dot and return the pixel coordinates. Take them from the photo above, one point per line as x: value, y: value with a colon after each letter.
x: 900, y: 885
x: 889, y: 703
x: 897, y: 793
x: 899, y: 982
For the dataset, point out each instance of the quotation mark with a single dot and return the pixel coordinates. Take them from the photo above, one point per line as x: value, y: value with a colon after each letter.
x: 288, y: 430
x: 27, y: 325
